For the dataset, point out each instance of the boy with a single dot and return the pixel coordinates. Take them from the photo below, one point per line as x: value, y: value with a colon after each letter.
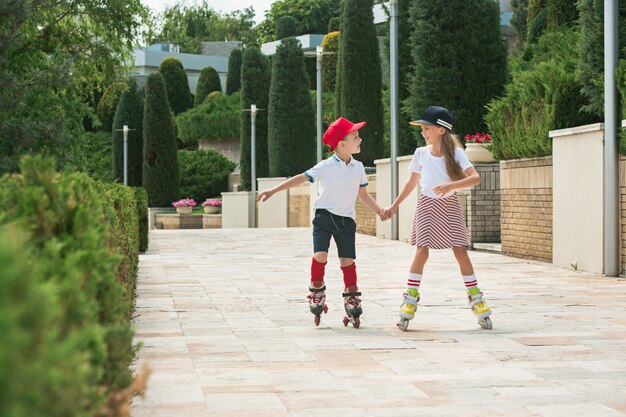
x: 341, y: 180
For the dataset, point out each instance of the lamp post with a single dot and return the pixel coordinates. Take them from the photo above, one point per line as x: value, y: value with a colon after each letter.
x: 320, y: 54
x: 253, y: 111
x: 393, y: 108
x: 125, y: 130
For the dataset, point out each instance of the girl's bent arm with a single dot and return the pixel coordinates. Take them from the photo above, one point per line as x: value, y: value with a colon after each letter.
x: 288, y: 183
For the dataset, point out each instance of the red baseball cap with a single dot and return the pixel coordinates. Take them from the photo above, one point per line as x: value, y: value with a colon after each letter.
x: 338, y: 130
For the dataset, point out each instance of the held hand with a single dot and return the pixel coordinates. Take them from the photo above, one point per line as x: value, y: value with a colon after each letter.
x: 443, y: 189
x: 382, y: 213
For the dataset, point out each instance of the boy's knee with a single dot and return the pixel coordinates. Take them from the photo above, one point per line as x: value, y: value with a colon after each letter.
x: 321, y: 257
x: 344, y: 262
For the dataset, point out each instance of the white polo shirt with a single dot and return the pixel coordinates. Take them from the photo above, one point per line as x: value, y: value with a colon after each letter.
x: 432, y: 169
x: 339, y: 184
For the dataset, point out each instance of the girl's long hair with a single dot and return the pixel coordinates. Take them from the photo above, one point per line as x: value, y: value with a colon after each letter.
x: 449, y: 143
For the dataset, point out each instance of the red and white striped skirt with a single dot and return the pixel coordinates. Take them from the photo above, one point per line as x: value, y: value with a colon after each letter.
x: 439, y: 223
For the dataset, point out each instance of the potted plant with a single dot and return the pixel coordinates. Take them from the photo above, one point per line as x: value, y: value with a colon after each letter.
x: 184, y: 206
x: 212, y: 206
x: 478, y: 148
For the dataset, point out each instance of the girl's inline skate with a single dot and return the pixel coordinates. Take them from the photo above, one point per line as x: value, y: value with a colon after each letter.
x: 317, y: 302
x: 408, y: 307
x: 352, y: 305
x: 479, y: 307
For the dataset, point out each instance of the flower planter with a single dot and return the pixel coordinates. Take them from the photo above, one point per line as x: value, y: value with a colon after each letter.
x: 479, y: 153
x: 211, y: 209
x: 184, y: 210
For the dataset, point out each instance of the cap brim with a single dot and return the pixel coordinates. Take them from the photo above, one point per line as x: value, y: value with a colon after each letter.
x: 356, y: 127
x: 419, y: 122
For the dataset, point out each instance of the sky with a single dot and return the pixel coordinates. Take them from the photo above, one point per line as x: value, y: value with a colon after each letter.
x: 224, y: 6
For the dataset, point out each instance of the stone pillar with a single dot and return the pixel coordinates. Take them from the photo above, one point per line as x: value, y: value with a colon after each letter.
x: 275, y: 211
x: 236, y: 211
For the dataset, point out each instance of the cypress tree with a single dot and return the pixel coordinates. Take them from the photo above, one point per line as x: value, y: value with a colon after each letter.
x: 178, y: 93
x: 255, y: 83
x: 561, y: 12
x: 209, y: 81
x: 459, y: 58
x: 518, y: 20
x: 285, y: 27
x: 160, y: 164
x: 233, y: 78
x: 361, y: 77
x: 330, y: 44
x: 291, y: 128
x: 129, y: 112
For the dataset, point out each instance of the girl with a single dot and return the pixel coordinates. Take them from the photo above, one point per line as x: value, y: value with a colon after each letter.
x: 440, y: 168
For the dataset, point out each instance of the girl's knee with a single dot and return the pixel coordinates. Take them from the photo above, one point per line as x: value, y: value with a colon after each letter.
x: 421, y: 252
x: 460, y: 252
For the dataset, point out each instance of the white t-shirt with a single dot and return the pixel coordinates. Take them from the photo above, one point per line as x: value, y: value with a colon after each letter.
x: 339, y: 184
x: 432, y: 169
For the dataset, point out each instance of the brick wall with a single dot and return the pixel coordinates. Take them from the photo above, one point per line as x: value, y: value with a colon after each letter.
x: 483, y: 205
x: 526, y: 208
x: 622, y: 187
x: 299, y: 210
x: 365, y: 218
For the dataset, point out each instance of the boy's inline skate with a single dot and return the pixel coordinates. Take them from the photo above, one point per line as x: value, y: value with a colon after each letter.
x: 317, y: 302
x: 479, y: 307
x: 352, y: 305
x: 408, y: 307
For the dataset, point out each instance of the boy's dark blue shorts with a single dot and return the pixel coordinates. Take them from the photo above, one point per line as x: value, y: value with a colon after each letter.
x: 342, y: 229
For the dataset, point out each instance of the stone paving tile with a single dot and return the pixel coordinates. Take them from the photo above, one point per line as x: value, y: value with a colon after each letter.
x: 224, y: 322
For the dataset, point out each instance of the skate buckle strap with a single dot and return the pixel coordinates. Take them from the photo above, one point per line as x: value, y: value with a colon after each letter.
x: 352, y: 294
x: 320, y: 289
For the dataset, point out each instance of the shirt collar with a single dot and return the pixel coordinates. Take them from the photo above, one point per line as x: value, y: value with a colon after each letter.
x: 337, y: 159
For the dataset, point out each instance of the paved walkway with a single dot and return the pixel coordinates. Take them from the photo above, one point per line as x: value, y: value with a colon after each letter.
x: 225, y: 326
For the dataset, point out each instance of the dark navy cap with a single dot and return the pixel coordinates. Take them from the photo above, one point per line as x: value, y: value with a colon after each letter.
x: 435, y: 115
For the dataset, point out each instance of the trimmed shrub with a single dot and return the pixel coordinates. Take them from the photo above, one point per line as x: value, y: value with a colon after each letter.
x: 360, y: 91
x: 209, y: 82
x: 291, y: 117
x: 204, y: 174
x: 460, y: 59
x: 160, y: 167
x: 543, y: 95
x: 334, y: 24
x: 286, y: 26
x: 255, y: 85
x: 141, y: 202
x: 178, y: 93
x: 329, y: 60
x: 217, y: 118
x: 129, y: 112
x: 233, y: 78
x: 93, y: 155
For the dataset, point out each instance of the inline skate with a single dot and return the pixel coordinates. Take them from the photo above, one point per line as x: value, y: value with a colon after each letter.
x: 317, y: 302
x: 408, y: 307
x: 479, y: 307
x: 352, y: 305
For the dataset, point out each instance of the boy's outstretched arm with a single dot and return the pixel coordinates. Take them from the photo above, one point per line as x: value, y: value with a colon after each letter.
x: 367, y: 199
x: 288, y: 183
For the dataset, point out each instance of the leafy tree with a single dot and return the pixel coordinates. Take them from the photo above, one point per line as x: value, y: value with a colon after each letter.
x: 130, y: 113
x: 255, y: 86
x: 160, y: 166
x: 177, y: 84
x: 108, y: 104
x: 330, y: 45
x: 459, y: 58
x: 233, y: 78
x: 286, y: 26
x: 361, y: 77
x: 47, y: 51
x: 291, y: 124
x: 188, y: 26
x: 217, y: 118
x: 312, y: 16
x: 209, y: 81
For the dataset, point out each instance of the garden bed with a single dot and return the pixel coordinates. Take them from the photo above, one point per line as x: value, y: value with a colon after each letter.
x: 188, y: 221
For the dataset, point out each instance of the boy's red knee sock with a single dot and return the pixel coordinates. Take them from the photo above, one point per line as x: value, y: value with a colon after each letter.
x: 317, y: 270
x: 349, y: 275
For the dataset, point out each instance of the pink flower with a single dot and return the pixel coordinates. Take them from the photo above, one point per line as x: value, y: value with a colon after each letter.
x: 212, y: 203
x: 185, y: 202
x: 478, y: 137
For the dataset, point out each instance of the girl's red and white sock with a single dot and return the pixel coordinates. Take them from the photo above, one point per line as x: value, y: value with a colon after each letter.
x: 414, y: 281
x: 470, y: 281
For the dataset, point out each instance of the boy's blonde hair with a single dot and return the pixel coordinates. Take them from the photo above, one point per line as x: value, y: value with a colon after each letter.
x: 449, y: 143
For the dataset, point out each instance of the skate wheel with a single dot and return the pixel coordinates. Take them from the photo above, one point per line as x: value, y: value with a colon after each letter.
x: 325, y: 308
x: 403, y: 324
x: 346, y: 321
x: 356, y: 323
x: 486, y: 323
x: 317, y: 320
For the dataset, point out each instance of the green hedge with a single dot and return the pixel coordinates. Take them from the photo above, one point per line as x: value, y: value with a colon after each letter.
x: 217, y: 118
x: 92, y: 154
x: 203, y: 174
x: 78, y: 247
x: 141, y: 201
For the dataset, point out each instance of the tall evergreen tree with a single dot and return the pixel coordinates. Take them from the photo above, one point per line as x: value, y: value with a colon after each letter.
x: 330, y: 44
x: 291, y: 128
x: 361, y: 77
x: 255, y: 85
x: 518, y: 20
x: 459, y: 58
x: 130, y: 113
x: 161, y: 176
x: 209, y: 81
x: 233, y: 78
x: 178, y: 93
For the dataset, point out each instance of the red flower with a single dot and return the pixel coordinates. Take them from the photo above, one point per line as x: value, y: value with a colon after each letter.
x: 478, y: 137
